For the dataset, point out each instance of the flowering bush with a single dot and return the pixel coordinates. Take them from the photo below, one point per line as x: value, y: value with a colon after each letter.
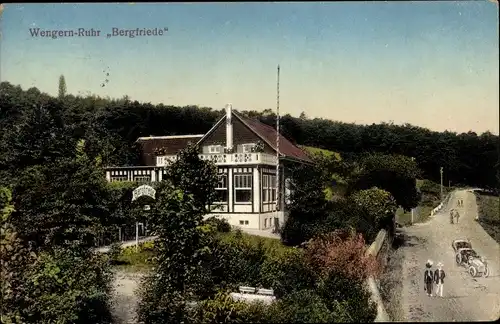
x: 342, y: 252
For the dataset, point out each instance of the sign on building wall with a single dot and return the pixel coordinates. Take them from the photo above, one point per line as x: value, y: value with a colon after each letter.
x: 143, y: 190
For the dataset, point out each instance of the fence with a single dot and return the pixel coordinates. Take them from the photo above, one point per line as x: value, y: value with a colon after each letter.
x: 122, y: 234
x: 441, y: 205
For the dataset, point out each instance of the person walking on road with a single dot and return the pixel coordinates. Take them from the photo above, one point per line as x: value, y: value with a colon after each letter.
x: 452, y: 216
x: 439, y: 276
x: 428, y: 278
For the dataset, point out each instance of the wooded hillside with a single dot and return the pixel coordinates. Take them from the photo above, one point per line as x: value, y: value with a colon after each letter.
x: 467, y: 158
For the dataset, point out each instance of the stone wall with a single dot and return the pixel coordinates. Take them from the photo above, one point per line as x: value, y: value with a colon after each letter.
x: 379, y: 248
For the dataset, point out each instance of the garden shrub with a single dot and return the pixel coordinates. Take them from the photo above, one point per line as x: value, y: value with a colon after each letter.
x: 343, y: 252
x: 286, y: 272
x: 302, y: 306
x: 220, y: 224
x: 347, y: 297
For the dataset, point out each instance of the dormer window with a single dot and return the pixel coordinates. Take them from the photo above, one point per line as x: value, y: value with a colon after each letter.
x: 215, y: 149
x: 247, y: 148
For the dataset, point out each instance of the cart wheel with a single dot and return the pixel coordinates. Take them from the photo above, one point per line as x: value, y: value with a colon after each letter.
x: 472, y: 271
x: 457, y: 259
x: 486, y: 272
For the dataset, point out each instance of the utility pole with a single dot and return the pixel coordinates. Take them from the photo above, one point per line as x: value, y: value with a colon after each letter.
x: 441, y: 171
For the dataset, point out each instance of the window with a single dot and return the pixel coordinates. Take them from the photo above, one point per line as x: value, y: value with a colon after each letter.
x: 221, y: 189
x: 268, y: 188
x: 214, y: 149
x: 265, y: 188
x: 243, y: 188
x: 247, y: 148
x: 142, y: 178
x: 118, y: 178
x: 243, y: 222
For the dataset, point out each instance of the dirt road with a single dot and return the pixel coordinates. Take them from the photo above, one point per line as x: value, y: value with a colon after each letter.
x: 464, y: 298
x: 125, y: 297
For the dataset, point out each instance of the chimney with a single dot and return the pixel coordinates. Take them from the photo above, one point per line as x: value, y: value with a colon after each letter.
x: 229, y: 126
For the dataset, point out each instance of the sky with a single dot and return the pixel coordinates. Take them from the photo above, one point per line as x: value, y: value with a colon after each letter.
x: 433, y: 64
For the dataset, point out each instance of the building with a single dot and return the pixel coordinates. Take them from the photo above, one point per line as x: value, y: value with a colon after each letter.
x: 244, y: 151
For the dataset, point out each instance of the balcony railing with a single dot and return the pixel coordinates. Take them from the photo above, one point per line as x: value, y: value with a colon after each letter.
x: 226, y: 159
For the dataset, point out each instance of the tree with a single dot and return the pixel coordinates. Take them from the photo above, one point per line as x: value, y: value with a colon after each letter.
x: 62, y: 87
x: 38, y: 136
x: 177, y: 218
x: 14, y: 257
x: 396, y: 174
x: 67, y: 285
x: 379, y: 204
x: 194, y: 176
x: 63, y: 203
x: 307, y: 205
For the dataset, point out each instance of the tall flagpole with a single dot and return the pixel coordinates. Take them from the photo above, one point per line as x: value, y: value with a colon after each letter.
x: 278, y: 142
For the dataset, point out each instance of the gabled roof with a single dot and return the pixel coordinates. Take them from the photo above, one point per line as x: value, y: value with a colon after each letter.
x: 170, y: 145
x: 267, y: 134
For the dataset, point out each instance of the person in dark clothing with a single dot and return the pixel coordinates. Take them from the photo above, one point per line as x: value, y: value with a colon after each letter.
x: 428, y: 278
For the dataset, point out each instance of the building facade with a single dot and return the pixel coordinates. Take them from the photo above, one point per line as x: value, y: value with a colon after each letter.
x: 245, y: 153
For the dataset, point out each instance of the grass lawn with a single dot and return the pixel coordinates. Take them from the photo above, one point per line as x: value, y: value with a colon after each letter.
x: 141, y: 260
x: 269, y: 244
x: 132, y: 260
x: 489, y: 214
x: 431, y: 193
x: 421, y: 214
x: 315, y: 151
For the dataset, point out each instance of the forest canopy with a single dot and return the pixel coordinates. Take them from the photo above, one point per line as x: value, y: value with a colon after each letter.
x: 111, y: 126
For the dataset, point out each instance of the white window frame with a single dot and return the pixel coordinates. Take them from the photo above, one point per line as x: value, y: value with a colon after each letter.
x: 268, y: 188
x: 242, y: 182
x: 265, y: 188
x: 118, y: 178
x: 222, y: 186
x: 247, y: 147
x: 142, y: 178
x: 215, y: 149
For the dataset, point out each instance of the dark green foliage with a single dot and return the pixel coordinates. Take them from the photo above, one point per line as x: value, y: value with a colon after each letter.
x: 62, y: 86
x: 467, y: 158
x: 62, y: 202
x: 303, y: 306
x: 287, y: 272
x: 65, y: 286
x: 379, y: 204
x: 220, y: 224
x: 394, y: 173
x: 349, y: 297
x: 311, y: 214
x: 194, y: 176
x: 308, y: 206
x: 177, y: 219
